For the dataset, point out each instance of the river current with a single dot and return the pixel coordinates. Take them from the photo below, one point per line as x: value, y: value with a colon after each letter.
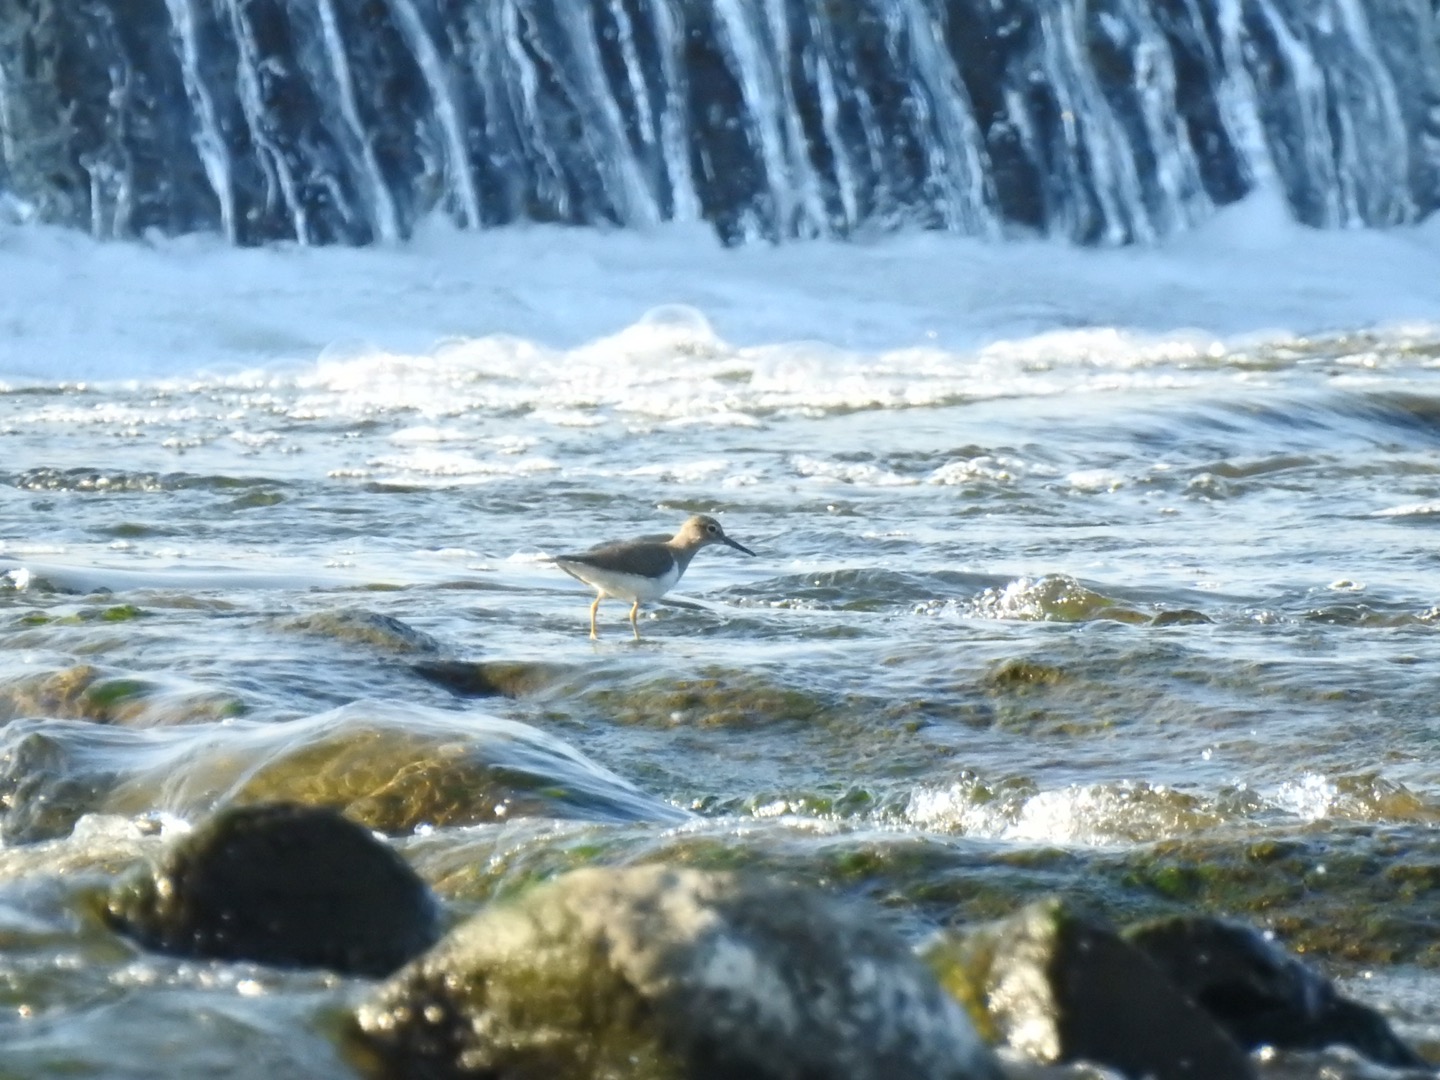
x: 1105, y: 574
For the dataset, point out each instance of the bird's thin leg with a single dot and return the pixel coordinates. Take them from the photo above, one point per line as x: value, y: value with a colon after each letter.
x: 593, y: 608
x: 634, y: 613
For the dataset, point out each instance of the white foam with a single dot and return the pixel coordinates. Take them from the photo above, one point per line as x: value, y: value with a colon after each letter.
x: 466, y: 307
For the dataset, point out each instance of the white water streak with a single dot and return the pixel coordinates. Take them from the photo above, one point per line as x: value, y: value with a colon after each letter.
x: 1177, y: 171
x: 1238, y: 97
x: 805, y: 180
x: 830, y: 118
x: 675, y: 135
x: 609, y: 145
x: 1393, y: 166
x: 1312, y: 109
x: 207, y: 137
x: 386, y: 220
x: 512, y: 80
x: 759, y: 86
x: 1091, y: 130
x: 957, y: 157
x: 447, y: 110
x: 252, y: 102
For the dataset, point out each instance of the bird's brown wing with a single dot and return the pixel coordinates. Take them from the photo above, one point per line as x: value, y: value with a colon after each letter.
x: 651, y: 560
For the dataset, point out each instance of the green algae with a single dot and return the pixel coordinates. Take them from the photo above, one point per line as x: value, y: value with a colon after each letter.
x: 86, y: 692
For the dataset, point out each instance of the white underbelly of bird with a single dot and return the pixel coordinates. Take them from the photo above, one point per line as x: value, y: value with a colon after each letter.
x: 621, y: 586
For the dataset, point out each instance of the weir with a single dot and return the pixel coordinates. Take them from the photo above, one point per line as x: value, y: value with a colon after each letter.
x: 1104, y: 121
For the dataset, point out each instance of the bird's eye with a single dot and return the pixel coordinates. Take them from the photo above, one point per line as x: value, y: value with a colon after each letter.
x: 712, y: 529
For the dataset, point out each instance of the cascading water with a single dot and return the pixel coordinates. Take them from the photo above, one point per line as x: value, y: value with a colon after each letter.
x: 334, y: 120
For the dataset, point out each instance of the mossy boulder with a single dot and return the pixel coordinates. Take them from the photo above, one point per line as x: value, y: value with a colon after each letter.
x: 280, y: 884
x: 656, y: 973
x: 1058, y: 987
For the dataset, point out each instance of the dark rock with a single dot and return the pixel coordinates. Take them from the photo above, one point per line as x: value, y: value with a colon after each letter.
x: 654, y: 972
x: 489, y: 678
x: 1261, y: 994
x: 281, y: 884
x: 1059, y: 987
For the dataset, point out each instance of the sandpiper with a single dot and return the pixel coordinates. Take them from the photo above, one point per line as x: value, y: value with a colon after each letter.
x: 644, y: 569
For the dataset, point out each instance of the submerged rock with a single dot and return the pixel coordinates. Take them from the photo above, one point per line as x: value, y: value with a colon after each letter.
x: 654, y: 972
x: 1058, y: 987
x: 490, y: 678
x: 86, y: 692
x: 1261, y: 994
x: 712, y: 697
x: 391, y: 768
x: 360, y: 627
x: 281, y: 884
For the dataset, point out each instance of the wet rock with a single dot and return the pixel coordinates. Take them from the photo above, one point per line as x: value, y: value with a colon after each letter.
x: 85, y: 692
x: 490, y: 678
x: 1180, y: 617
x: 1014, y: 673
x: 1261, y: 994
x: 654, y: 972
x: 1058, y: 987
x: 47, y: 782
x: 712, y: 697
x: 391, y: 768
x: 1051, y: 598
x: 360, y: 627
x: 281, y: 884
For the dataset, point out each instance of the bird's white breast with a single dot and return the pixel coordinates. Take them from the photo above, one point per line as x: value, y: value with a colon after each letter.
x: 625, y: 586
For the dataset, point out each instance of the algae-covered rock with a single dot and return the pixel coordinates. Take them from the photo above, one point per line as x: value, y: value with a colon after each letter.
x: 86, y: 692
x: 1261, y: 994
x: 654, y: 972
x: 391, y: 768
x: 1058, y: 987
x: 713, y: 697
x: 360, y: 627
x: 280, y: 884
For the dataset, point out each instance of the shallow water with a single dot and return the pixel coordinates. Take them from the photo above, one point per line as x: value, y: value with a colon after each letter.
x: 1149, y: 622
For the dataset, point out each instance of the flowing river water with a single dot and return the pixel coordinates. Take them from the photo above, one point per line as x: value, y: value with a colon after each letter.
x: 1147, y: 622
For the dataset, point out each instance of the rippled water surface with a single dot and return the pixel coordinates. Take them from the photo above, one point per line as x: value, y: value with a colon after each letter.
x: 1148, y: 623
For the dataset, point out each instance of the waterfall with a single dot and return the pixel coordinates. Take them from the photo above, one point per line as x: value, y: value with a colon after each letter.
x: 210, y: 142
x: 1105, y: 121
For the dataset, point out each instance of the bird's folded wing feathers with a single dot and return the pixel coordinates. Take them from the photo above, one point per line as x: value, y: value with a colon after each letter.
x: 623, y: 559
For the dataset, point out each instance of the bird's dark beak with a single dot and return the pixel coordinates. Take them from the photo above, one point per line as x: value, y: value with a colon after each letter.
x: 737, y: 547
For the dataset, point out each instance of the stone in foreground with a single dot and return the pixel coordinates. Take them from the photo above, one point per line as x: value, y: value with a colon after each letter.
x: 654, y: 973
x: 281, y: 884
x: 1057, y: 987
x: 1261, y: 994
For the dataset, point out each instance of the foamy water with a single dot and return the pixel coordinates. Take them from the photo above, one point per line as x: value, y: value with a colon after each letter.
x: 76, y: 309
